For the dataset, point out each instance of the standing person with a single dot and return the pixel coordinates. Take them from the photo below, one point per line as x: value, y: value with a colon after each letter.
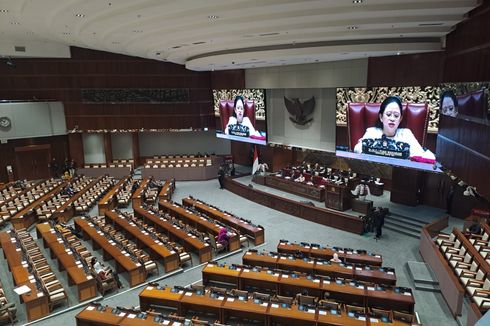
x: 221, y: 177
x: 72, y: 167
x: 55, y: 168
x: 379, y: 221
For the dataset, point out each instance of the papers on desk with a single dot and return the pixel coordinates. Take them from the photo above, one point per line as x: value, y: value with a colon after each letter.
x: 370, y: 288
x: 131, y: 316
x: 166, y: 322
x: 248, y: 253
x: 122, y: 314
x: 149, y: 288
x: 89, y: 308
x: 246, y: 270
x: 316, y: 281
x: 40, y: 294
x: 230, y: 299
x: 407, y: 293
x: 188, y: 294
x: 390, y: 273
x: 311, y: 311
x: 285, y: 276
x: 374, y: 320
x: 322, y: 312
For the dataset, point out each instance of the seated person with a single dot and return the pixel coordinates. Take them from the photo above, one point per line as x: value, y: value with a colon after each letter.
x: 449, y: 104
x: 335, y: 258
x: 104, y: 272
x: 223, y: 238
x: 238, y: 118
x: 300, y: 178
x: 386, y: 129
x: 361, y: 190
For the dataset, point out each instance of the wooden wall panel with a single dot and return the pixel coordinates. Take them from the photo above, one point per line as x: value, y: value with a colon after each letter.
x: 468, y: 48
x: 75, y: 143
x: 63, y: 80
x: 423, y: 69
x: 58, y: 144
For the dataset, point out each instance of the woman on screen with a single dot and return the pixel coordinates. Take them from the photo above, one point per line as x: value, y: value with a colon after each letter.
x: 449, y: 104
x: 239, y: 118
x: 386, y: 129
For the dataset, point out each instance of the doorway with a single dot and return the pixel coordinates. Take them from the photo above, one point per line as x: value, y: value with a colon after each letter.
x: 32, y: 162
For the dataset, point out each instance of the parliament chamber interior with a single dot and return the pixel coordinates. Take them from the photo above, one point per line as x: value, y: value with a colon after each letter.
x: 245, y: 162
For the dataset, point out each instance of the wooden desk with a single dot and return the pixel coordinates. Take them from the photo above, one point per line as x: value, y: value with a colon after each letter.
x: 90, y: 316
x: 257, y: 233
x: 290, y: 285
x: 337, y: 197
x: 327, y: 253
x: 190, y: 243
x: 136, y: 271
x: 156, y: 249
x: 137, y: 198
x: 297, y: 188
x: 319, y: 267
x: 167, y: 190
x: 109, y: 200
x: 199, y: 222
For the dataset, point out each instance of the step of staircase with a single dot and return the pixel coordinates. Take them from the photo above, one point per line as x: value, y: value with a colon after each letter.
x: 406, y: 220
x: 403, y: 225
x: 402, y: 230
x: 422, y: 276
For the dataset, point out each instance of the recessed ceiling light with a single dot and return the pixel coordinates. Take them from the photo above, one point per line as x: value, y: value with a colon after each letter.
x: 80, y: 15
x: 66, y: 33
x: 14, y: 23
x: 352, y: 27
x: 356, y: 2
x: 4, y: 10
x: 137, y: 31
x: 116, y: 42
x: 213, y: 17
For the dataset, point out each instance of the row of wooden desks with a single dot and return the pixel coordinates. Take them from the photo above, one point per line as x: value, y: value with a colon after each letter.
x: 27, y: 216
x: 290, y: 284
x: 77, y: 275
x: 298, y: 188
x: 199, y: 222
x: 67, y: 210
x: 109, y: 201
x: 35, y: 302
x: 256, y: 232
x: 189, y: 241
x: 94, y: 315
x: 136, y: 271
x: 157, y: 250
x: 320, y: 267
x: 327, y: 253
x: 225, y: 307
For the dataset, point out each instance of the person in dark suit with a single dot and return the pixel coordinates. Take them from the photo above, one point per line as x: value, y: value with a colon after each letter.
x: 379, y: 221
x: 221, y: 177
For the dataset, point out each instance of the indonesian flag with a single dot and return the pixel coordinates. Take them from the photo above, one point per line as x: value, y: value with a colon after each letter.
x: 255, y: 166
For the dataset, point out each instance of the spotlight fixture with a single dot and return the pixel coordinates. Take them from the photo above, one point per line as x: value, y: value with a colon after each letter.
x: 356, y: 2
x: 212, y: 17
x: 80, y: 15
x: 4, y: 11
x: 352, y: 28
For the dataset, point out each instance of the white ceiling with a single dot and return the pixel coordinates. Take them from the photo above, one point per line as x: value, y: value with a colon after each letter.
x: 229, y: 34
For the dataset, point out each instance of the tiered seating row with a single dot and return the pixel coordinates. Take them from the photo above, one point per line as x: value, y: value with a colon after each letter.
x: 93, y: 314
x: 191, y: 239
x: 375, y: 274
x: 30, y: 268
x: 109, y: 200
x: 347, y: 255
x: 88, y: 199
x: 72, y: 257
x: 150, y: 242
x: 284, y: 282
x: 167, y: 190
x: 267, y: 309
x: 123, y: 197
x: 469, y: 264
x: 114, y: 246
x: 201, y: 222
x: 256, y: 232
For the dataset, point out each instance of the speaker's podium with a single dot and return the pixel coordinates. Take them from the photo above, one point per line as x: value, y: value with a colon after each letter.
x: 337, y: 197
x: 362, y: 206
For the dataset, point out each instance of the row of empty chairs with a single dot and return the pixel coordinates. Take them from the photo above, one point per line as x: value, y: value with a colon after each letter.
x: 177, y: 165
x: 41, y: 269
x: 48, y: 207
x: 472, y: 271
x: 159, y: 236
x: 8, y: 192
x: 85, y: 202
x: 108, y: 165
x: 79, y: 183
x: 17, y: 204
x: 125, y: 244
x: 150, y: 194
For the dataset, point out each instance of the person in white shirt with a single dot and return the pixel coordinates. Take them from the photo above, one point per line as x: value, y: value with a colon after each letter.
x: 390, y: 117
x: 239, y: 118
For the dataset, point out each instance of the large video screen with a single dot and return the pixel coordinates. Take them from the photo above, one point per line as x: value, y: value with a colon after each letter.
x: 241, y: 115
x: 390, y: 125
